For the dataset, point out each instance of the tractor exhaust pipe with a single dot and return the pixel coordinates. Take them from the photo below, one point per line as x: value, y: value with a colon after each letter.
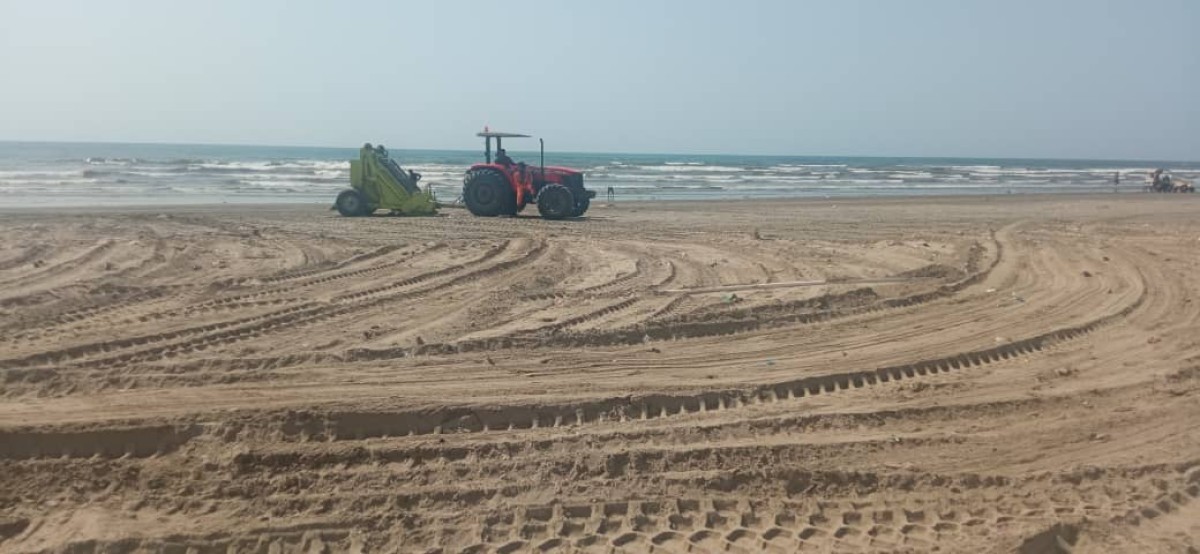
x: 542, y: 145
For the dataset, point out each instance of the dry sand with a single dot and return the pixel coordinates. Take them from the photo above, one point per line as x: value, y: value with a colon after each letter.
x: 955, y: 374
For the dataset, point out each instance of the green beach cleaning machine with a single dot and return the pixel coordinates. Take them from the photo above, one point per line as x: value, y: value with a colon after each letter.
x: 378, y: 182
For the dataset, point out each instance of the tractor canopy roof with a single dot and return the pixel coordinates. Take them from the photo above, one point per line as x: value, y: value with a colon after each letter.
x: 497, y: 134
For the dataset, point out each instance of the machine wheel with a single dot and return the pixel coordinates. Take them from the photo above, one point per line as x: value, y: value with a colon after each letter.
x: 556, y: 202
x: 582, y: 203
x: 487, y: 193
x: 352, y: 204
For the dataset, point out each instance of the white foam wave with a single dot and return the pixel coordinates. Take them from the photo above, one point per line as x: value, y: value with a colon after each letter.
x: 691, y: 168
x: 37, y: 174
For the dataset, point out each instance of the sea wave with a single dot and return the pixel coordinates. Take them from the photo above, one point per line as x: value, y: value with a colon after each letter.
x: 701, y: 168
x: 281, y: 174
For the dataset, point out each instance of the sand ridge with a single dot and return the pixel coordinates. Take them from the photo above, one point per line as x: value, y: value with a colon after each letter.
x: 961, y: 374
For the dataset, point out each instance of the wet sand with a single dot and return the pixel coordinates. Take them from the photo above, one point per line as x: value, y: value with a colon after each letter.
x: 1008, y: 374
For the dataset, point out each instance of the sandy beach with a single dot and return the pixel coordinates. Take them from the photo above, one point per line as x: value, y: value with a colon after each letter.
x: 962, y: 374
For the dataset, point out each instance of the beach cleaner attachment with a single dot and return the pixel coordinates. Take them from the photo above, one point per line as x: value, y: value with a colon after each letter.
x: 378, y: 182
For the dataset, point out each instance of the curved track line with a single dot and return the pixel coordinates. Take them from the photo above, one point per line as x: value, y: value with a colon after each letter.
x: 358, y: 425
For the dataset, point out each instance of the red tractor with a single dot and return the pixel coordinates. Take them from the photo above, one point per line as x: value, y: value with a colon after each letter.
x: 503, y: 187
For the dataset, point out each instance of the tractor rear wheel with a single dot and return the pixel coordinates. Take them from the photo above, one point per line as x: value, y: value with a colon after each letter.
x: 582, y: 203
x: 488, y: 193
x: 556, y: 202
x: 350, y: 203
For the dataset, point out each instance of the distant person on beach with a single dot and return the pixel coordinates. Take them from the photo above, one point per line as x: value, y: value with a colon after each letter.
x: 502, y: 157
x: 612, y: 194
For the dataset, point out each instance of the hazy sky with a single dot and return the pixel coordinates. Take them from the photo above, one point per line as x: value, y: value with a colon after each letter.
x: 1038, y: 78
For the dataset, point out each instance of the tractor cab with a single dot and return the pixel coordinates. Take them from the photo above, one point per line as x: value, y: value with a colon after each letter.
x: 501, y: 186
x: 487, y: 142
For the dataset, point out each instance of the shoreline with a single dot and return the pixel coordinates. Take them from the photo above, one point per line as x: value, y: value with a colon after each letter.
x: 599, y: 202
x: 128, y: 175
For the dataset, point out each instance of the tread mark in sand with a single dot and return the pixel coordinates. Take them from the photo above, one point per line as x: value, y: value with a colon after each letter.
x: 358, y: 425
x: 684, y: 327
x: 250, y: 327
x: 582, y: 318
x: 616, y: 281
x: 676, y: 329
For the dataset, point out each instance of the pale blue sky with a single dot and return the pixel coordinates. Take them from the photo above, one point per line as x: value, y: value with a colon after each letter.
x: 1006, y: 78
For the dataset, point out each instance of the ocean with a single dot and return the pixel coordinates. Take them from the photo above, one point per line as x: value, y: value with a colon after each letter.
x: 87, y: 174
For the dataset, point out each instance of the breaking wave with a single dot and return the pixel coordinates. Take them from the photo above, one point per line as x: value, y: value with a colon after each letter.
x: 160, y: 173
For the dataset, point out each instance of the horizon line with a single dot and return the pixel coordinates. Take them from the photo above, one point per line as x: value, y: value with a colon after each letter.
x: 858, y: 156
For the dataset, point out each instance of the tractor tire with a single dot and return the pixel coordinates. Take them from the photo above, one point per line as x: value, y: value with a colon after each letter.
x: 488, y: 194
x: 556, y: 202
x: 352, y: 204
x: 582, y: 203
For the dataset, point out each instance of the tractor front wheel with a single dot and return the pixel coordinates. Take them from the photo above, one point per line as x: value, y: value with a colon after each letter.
x: 487, y: 193
x: 352, y: 204
x: 556, y: 202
